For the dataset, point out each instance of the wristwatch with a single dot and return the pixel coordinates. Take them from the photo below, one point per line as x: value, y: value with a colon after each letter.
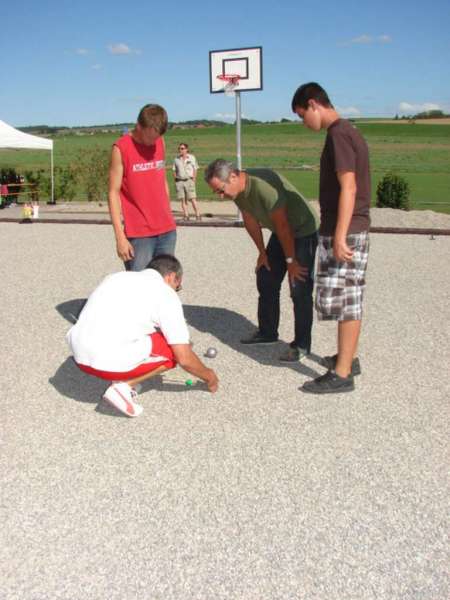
x: 289, y: 260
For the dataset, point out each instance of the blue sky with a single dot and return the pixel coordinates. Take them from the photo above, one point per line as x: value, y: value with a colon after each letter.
x: 81, y: 63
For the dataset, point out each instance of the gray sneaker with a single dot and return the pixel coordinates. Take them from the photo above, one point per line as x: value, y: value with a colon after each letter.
x: 329, y: 362
x: 293, y: 354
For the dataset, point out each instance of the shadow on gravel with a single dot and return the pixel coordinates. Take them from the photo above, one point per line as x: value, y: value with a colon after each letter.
x: 69, y: 381
x: 71, y: 309
x: 72, y: 383
x: 229, y: 327
x: 223, y: 324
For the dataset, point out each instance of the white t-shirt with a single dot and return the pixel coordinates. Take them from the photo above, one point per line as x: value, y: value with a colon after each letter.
x: 112, y: 332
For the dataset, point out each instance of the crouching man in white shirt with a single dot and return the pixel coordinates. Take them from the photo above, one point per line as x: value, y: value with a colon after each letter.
x: 132, y: 327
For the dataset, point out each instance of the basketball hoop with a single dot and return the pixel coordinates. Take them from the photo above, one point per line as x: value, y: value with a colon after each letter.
x: 231, y: 83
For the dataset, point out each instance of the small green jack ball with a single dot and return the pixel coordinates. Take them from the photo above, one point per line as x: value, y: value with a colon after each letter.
x: 189, y: 382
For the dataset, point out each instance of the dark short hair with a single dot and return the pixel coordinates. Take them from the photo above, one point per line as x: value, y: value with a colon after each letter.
x: 166, y: 264
x: 310, y: 91
x: 220, y: 169
x: 155, y: 116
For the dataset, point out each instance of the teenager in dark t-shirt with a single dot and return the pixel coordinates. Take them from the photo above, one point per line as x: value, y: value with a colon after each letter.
x: 344, y: 199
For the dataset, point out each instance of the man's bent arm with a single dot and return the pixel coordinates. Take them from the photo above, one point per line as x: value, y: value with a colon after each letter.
x: 124, y: 248
x: 255, y: 232
x: 347, y: 196
x: 190, y: 362
x: 283, y: 230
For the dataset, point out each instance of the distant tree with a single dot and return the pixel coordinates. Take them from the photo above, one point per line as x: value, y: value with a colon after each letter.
x: 40, y: 182
x: 430, y: 114
x: 92, y: 172
x: 250, y: 122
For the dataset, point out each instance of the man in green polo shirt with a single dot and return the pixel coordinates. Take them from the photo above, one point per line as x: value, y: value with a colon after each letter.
x: 268, y: 200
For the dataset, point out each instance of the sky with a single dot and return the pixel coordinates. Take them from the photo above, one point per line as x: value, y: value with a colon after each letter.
x: 85, y: 63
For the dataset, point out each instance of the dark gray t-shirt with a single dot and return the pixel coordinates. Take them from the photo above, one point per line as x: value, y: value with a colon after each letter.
x: 345, y: 150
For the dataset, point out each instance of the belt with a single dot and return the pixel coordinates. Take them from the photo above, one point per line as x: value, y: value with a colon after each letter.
x: 179, y: 179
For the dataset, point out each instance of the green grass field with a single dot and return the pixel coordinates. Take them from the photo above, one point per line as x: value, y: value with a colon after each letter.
x: 419, y: 152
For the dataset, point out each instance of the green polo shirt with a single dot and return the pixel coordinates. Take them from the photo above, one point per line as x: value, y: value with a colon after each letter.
x: 265, y: 191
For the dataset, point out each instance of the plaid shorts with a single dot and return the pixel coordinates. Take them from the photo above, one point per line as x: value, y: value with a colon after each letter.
x: 340, y: 285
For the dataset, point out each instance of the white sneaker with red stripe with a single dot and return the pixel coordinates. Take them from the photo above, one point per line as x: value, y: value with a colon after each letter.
x: 121, y: 396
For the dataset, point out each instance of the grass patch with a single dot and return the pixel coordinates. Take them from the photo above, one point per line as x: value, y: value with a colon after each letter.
x: 419, y: 152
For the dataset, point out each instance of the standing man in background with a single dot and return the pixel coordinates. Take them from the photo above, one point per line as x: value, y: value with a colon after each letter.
x: 344, y: 199
x: 185, y: 169
x: 139, y: 192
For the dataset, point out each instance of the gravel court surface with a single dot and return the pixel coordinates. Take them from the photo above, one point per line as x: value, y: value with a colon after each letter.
x: 258, y: 492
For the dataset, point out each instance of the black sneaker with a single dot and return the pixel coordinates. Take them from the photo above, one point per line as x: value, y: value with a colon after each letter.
x: 330, y: 383
x: 258, y: 338
x: 330, y: 363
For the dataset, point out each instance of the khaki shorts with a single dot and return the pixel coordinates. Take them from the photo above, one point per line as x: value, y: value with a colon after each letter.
x: 340, y: 285
x: 185, y: 189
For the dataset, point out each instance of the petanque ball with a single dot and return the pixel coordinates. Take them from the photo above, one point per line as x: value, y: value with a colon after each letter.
x: 211, y: 353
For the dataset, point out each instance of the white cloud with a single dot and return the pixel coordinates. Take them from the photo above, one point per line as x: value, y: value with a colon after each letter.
x: 228, y: 116
x: 96, y: 67
x: 119, y: 49
x: 225, y: 116
x: 367, y: 39
x: 408, y: 108
x: 122, y: 48
x: 362, y: 39
x: 82, y: 51
x: 348, y: 111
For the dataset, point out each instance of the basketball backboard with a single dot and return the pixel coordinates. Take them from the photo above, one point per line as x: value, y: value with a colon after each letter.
x: 245, y: 62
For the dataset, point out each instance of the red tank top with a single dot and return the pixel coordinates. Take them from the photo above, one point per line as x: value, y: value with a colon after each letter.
x: 145, y: 204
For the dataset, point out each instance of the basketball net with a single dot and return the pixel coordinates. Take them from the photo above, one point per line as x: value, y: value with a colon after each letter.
x: 231, y: 83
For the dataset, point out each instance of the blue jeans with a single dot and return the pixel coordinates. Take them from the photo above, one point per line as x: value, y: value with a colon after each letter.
x: 269, y: 285
x: 145, y: 248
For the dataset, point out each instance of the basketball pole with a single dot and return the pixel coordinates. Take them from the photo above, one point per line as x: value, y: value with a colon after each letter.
x: 237, y: 94
x: 238, y: 129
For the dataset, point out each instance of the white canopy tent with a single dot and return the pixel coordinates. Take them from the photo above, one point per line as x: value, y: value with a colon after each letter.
x: 14, y: 139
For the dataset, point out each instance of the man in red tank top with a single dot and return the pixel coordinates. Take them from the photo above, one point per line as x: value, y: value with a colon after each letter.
x: 139, y: 194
